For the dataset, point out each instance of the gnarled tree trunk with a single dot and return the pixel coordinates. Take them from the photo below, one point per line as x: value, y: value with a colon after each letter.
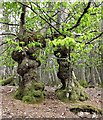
x: 70, y: 90
x: 30, y: 90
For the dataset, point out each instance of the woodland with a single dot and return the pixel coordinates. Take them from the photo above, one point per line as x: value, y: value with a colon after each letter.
x: 51, y: 59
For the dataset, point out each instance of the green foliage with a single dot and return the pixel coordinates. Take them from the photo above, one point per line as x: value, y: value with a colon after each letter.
x: 67, y: 42
x: 46, y: 10
x: 75, y: 39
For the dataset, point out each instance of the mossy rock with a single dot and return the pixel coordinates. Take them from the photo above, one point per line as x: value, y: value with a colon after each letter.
x: 86, y: 108
x: 29, y: 99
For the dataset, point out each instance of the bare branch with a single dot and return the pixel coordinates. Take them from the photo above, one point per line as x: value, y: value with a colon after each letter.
x: 98, y: 4
x: 8, y: 34
x: 50, y: 18
x: 55, y: 14
x: 4, y: 50
x: 78, y: 21
x: 9, y: 24
x: 22, y: 29
x: 3, y: 43
x: 41, y: 18
x: 95, y: 38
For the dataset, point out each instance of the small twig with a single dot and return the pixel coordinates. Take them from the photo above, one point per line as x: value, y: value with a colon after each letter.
x: 9, y: 24
x: 50, y: 18
x: 4, y: 50
x: 42, y: 18
x: 95, y: 38
x: 3, y: 43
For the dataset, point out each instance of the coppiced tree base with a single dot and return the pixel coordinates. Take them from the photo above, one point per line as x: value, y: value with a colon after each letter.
x: 74, y: 93
x: 33, y: 93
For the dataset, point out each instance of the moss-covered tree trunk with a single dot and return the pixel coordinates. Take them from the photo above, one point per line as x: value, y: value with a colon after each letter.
x: 29, y: 89
x: 70, y: 90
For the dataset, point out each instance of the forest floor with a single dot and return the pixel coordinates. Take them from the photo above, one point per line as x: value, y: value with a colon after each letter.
x: 50, y: 108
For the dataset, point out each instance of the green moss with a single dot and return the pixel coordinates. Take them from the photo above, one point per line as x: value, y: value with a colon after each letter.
x: 38, y: 86
x: 86, y: 108
x: 33, y: 93
x: 7, y: 81
x: 29, y: 99
x: 61, y: 94
x: 75, y: 94
x: 78, y: 93
x: 17, y: 95
x: 40, y: 99
x: 83, y: 83
x: 37, y: 93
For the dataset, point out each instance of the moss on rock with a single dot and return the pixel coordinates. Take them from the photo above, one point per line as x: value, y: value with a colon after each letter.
x: 86, y: 108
